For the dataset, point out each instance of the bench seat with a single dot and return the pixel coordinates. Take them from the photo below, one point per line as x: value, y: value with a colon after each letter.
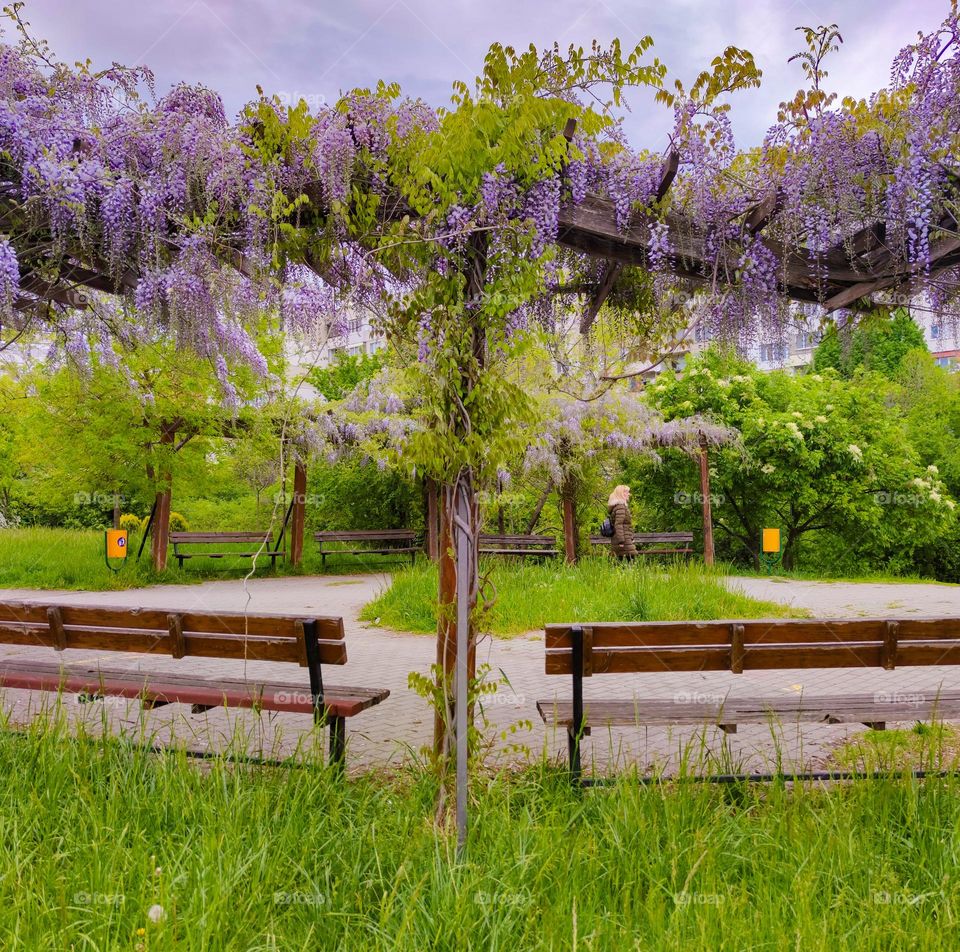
x: 583, y: 651
x: 368, y: 542
x: 305, y: 641
x: 258, y: 539
x: 530, y: 546
x: 726, y: 714
x: 156, y: 688
x: 655, y: 543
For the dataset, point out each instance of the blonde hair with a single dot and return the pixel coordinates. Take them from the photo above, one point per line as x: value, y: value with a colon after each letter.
x: 619, y: 494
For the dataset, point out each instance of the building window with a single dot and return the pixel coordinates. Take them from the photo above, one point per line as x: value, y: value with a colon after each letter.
x: 806, y: 340
x: 948, y: 363
x: 771, y: 353
x: 935, y: 331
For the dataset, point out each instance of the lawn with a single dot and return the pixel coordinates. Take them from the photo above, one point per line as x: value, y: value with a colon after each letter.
x: 98, y: 834
x: 531, y: 594
x: 73, y: 559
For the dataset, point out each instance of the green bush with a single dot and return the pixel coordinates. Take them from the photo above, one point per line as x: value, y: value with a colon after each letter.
x: 132, y: 523
x: 178, y: 523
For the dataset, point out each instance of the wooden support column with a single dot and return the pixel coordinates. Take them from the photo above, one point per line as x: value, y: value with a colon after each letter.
x: 298, y: 517
x: 432, y: 519
x: 446, y: 622
x: 160, y: 539
x: 569, y: 526
x: 708, y: 552
x: 161, y: 529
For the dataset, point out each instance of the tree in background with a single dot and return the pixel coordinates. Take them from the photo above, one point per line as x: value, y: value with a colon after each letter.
x: 134, y: 424
x: 818, y: 454
x: 879, y: 341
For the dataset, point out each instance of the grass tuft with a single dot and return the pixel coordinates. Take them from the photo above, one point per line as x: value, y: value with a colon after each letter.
x: 529, y: 595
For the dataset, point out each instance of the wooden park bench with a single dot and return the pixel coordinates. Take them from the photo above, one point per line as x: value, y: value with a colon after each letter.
x: 583, y: 651
x: 369, y: 542
x: 251, y: 541
x: 303, y: 641
x: 656, y: 543
x: 530, y: 546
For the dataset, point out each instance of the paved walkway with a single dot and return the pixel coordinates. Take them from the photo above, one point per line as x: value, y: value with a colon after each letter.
x: 399, y: 728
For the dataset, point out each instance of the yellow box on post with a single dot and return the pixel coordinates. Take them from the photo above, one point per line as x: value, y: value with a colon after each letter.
x: 116, y: 543
x: 771, y: 541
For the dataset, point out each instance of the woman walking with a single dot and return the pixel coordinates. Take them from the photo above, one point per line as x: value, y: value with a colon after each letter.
x: 621, y: 543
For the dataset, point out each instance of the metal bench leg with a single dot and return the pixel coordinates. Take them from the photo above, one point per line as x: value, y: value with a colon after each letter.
x: 338, y: 743
x: 576, y: 729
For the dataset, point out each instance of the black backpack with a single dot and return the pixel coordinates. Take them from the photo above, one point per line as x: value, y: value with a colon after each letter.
x: 606, y: 528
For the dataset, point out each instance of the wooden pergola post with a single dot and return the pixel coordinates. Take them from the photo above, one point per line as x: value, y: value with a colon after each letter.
x: 708, y: 552
x: 432, y: 519
x: 160, y: 538
x: 298, y: 518
x: 569, y: 524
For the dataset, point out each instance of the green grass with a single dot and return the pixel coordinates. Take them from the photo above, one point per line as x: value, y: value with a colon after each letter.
x: 528, y: 595
x: 73, y: 559
x: 96, y: 833
x: 809, y: 575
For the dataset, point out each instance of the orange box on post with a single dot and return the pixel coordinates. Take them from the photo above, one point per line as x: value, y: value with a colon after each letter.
x: 771, y: 540
x: 116, y: 543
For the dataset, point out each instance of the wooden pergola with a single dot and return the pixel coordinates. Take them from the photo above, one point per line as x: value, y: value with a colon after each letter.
x: 851, y: 271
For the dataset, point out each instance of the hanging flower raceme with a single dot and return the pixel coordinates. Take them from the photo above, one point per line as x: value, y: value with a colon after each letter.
x: 617, y: 422
x: 374, y: 422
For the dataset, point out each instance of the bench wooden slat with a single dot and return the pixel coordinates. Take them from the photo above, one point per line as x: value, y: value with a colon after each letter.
x: 207, y: 537
x: 384, y: 550
x: 763, y: 631
x: 204, y: 634
x: 162, y: 688
x: 493, y: 539
x: 155, y: 619
x: 755, y: 658
x: 853, y: 709
x: 361, y: 535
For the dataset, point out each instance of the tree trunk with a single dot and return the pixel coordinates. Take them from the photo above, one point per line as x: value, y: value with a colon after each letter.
x: 541, y: 502
x: 298, y: 516
x: 708, y: 551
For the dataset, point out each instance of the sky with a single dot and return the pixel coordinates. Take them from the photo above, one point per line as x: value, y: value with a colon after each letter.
x: 315, y: 49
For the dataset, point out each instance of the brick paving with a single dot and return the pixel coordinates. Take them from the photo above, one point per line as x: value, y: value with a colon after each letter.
x: 396, y: 730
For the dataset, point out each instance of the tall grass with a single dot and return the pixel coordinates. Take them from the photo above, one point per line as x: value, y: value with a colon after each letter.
x: 96, y: 833
x: 528, y: 595
x: 73, y: 559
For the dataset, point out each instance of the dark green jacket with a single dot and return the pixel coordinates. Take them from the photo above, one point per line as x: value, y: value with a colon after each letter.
x: 621, y: 543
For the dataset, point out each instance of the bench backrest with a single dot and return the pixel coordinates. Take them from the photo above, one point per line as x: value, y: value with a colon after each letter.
x: 768, y: 644
x: 365, y: 535
x: 651, y: 538
x: 174, y: 633
x: 519, y: 541
x: 180, y: 538
x: 663, y: 537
